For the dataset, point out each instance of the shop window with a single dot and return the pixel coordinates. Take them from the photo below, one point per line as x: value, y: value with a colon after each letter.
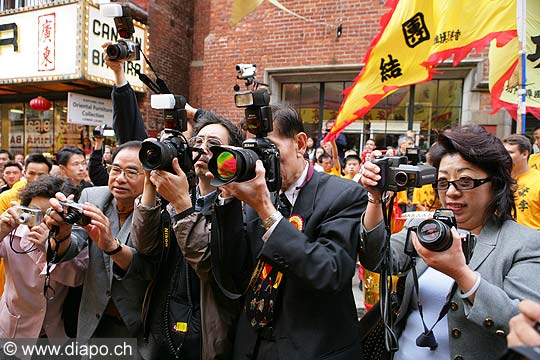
x: 437, y: 105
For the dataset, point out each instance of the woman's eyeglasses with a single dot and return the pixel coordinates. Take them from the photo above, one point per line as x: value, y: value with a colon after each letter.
x: 460, y: 184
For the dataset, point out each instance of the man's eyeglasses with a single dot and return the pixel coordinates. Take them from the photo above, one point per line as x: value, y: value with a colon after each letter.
x: 130, y: 174
x: 463, y: 183
x: 199, y: 141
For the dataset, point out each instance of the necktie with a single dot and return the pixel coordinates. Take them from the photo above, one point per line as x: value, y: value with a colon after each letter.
x: 263, y: 289
x: 284, y: 205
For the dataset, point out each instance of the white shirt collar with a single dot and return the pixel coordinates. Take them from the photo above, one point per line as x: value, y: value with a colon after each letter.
x: 292, y: 192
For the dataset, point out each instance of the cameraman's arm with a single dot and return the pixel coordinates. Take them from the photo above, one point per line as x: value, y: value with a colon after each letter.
x: 127, y: 119
x: 96, y: 170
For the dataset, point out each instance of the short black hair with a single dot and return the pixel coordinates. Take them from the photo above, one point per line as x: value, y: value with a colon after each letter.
x: 351, y: 157
x: 286, y: 120
x: 133, y: 144
x: 46, y: 186
x: 13, y: 163
x: 65, y: 153
x: 4, y: 151
x: 38, y: 158
x: 209, y: 118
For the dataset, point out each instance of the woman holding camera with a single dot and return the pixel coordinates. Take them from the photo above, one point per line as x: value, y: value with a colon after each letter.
x: 474, y: 181
x: 27, y: 308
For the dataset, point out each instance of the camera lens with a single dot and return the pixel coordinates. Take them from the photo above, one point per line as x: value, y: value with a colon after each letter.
x: 401, y: 178
x: 24, y: 218
x: 434, y: 235
x: 153, y: 156
x: 226, y: 165
x: 117, y: 52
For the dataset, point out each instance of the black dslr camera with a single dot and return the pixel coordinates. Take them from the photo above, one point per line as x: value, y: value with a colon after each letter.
x: 435, y: 235
x: 159, y: 154
x: 124, y: 49
x: 228, y: 164
x: 396, y: 175
x: 73, y: 213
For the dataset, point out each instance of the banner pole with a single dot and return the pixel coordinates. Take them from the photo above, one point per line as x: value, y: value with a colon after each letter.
x: 522, y: 36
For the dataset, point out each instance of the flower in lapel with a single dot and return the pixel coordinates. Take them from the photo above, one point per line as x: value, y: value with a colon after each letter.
x: 297, y: 221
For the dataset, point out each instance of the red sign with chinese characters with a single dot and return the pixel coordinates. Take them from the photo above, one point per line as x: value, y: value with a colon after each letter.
x: 46, y: 42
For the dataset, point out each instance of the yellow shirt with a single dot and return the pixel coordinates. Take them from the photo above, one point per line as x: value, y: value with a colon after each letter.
x: 11, y: 195
x: 534, y: 161
x: 401, y: 197
x: 427, y: 197
x: 528, y: 199
x: 336, y: 170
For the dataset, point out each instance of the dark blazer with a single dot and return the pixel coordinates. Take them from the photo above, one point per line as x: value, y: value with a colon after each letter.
x: 315, y: 317
x: 101, y: 282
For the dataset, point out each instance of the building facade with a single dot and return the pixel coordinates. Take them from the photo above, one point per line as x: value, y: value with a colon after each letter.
x: 53, y: 49
x: 306, y: 63
x: 191, y: 46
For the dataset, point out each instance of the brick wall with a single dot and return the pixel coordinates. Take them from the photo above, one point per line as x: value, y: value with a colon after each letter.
x: 171, y: 45
x: 270, y: 38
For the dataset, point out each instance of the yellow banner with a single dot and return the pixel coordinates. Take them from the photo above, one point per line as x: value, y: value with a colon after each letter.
x: 505, y: 68
x: 416, y: 36
x: 242, y: 8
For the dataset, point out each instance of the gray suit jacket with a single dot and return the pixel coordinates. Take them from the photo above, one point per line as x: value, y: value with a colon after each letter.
x: 101, y: 282
x: 507, y: 257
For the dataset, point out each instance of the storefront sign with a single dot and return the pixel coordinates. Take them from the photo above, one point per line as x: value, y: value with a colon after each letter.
x: 101, y: 30
x: 37, y: 41
x: 89, y: 110
x: 63, y: 41
x: 9, y: 41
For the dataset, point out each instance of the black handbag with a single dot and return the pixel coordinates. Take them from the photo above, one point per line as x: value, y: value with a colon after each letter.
x: 371, y: 327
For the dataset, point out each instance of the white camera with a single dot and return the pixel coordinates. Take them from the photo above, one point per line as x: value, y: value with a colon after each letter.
x: 167, y: 101
x: 246, y: 71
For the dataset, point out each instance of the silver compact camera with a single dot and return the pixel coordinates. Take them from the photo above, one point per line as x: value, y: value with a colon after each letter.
x: 28, y: 216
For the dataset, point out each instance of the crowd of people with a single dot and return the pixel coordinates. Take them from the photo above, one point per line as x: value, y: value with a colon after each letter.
x: 195, y: 271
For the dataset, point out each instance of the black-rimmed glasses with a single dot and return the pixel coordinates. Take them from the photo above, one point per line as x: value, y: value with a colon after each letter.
x: 463, y: 183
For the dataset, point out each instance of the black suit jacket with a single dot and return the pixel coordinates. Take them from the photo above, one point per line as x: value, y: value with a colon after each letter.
x: 316, y: 317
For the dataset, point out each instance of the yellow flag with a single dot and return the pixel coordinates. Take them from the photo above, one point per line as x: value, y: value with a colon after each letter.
x: 416, y: 36
x: 505, y: 69
x: 242, y: 8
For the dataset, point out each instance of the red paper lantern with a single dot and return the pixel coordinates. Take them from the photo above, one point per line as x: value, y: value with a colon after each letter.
x: 40, y: 104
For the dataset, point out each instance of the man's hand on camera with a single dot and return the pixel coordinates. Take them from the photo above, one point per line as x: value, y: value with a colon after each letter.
x: 99, y: 228
x: 117, y: 66
x: 253, y: 192
x: 173, y: 187
x: 522, y: 326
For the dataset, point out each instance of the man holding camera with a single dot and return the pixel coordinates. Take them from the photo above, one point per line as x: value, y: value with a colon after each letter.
x: 299, y: 302
x: 109, y: 308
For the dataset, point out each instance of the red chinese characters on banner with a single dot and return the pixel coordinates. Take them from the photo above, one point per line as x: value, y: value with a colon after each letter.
x: 46, y: 42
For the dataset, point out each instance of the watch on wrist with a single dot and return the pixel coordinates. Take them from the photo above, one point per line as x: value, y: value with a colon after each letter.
x: 372, y: 200
x: 116, y: 250
x: 271, y: 220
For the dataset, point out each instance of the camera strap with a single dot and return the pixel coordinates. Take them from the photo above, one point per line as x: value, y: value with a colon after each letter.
x: 385, y: 282
x: 51, y: 257
x: 427, y: 338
